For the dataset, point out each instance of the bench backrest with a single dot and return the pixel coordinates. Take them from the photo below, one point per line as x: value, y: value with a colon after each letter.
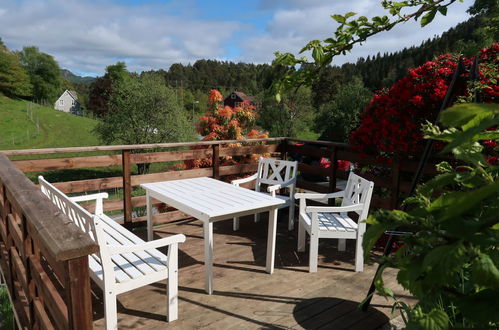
x: 358, y: 190
x: 88, y: 223
x: 273, y: 171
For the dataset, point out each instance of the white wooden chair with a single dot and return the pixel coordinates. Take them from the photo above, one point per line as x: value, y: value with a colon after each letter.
x: 333, y: 221
x: 125, y: 262
x: 277, y: 174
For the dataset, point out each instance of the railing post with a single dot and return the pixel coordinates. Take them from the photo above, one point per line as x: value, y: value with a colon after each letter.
x: 334, y: 171
x: 395, y: 184
x: 79, y: 294
x: 216, y: 161
x: 284, y: 149
x: 127, y: 188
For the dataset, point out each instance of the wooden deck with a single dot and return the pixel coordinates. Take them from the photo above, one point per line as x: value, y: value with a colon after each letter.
x: 245, y: 297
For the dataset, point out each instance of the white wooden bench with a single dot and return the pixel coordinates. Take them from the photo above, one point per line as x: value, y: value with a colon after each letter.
x: 125, y: 262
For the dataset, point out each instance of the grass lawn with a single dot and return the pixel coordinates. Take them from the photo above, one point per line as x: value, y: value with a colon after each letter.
x: 56, y: 128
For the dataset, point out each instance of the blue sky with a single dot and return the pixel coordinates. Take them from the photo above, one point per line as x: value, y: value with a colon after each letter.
x: 87, y: 35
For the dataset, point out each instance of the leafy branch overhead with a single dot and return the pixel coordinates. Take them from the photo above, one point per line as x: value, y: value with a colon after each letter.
x: 351, y: 31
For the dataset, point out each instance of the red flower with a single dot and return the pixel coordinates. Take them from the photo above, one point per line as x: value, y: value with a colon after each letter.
x: 391, y: 123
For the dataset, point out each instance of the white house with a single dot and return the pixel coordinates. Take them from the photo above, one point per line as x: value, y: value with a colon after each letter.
x: 68, y: 102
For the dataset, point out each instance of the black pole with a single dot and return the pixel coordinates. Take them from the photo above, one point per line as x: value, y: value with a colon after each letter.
x: 422, y: 163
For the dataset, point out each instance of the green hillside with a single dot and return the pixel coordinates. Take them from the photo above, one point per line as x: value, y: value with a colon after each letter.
x: 24, y: 125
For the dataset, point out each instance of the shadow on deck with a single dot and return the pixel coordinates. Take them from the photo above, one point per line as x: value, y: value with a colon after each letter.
x: 245, y: 296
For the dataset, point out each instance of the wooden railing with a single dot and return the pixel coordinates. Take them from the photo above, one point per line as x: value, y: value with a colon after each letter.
x: 392, y: 180
x: 43, y: 257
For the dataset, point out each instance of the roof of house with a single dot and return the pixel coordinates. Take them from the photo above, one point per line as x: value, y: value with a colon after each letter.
x: 73, y: 94
x: 243, y: 96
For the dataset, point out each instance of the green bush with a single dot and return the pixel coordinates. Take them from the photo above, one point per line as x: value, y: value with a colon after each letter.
x: 450, y: 262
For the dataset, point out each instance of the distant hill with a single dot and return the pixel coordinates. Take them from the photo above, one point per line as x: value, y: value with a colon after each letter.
x: 68, y: 75
x: 48, y: 128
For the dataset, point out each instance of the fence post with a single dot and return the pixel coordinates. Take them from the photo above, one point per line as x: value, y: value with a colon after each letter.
x: 284, y: 149
x: 127, y: 188
x: 395, y: 184
x: 334, y: 170
x: 79, y: 294
x: 215, y: 161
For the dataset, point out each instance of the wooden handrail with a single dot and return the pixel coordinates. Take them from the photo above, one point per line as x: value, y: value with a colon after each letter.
x: 131, y: 147
x: 45, y: 218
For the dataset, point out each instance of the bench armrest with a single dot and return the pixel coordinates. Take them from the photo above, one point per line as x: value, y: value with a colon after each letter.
x: 244, y: 180
x: 334, y: 209
x: 86, y: 198
x: 98, y: 198
x: 175, y: 239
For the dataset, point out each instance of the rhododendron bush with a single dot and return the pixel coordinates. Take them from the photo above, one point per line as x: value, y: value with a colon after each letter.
x: 391, y: 123
x: 226, y: 123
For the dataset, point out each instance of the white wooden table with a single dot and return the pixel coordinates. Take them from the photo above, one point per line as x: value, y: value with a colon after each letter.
x: 210, y: 200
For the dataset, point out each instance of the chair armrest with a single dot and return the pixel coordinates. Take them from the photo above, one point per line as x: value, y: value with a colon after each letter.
x: 244, y: 180
x: 175, y: 239
x: 320, y: 196
x: 334, y: 209
x: 281, y: 185
x: 85, y: 198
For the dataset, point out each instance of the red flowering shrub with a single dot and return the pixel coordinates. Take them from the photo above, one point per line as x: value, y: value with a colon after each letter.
x: 391, y: 123
x: 226, y: 123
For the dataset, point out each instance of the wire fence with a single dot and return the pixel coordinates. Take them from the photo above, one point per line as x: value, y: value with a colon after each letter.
x: 30, y: 132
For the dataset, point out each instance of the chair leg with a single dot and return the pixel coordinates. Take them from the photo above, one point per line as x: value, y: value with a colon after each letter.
x: 359, y: 256
x: 172, y: 295
x: 110, y: 311
x: 342, y: 244
x: 301, y: 237
x: 291, y: 223
x: 314, y: 252
x: 235, y: 224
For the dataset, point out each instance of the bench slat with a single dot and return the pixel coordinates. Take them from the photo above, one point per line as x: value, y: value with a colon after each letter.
x: 153, y: 257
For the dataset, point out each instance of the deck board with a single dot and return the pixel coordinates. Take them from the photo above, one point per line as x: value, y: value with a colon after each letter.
x: 245, y: 297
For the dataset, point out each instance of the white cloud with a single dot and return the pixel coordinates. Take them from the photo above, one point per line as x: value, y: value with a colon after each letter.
x: 86, y: 36
x: 296, y: 22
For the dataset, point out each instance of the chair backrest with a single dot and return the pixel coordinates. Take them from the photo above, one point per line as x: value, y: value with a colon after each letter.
x: 358, y: 190
x: 273, y: 171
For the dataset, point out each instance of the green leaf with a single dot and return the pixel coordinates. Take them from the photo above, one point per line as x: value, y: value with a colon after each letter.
x: 480, y: 307
x: 485, y: 272
x: 380, y: 285
x: 454, y: 204
x: 339, y: 18
x: 460, y: 114
x: 372, y: 235
x: 428, y: 17
x: 442, y: 262
x: 437, y: 182
x: 350, y: 14
x: 442, y: 10
x: 474, y: 127
x: 435, y: 320
x: 278, y: 97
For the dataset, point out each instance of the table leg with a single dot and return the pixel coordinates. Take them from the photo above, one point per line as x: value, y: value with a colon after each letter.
x: 271, y: 238
x: 208, y: 256
x: 149, y: 216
